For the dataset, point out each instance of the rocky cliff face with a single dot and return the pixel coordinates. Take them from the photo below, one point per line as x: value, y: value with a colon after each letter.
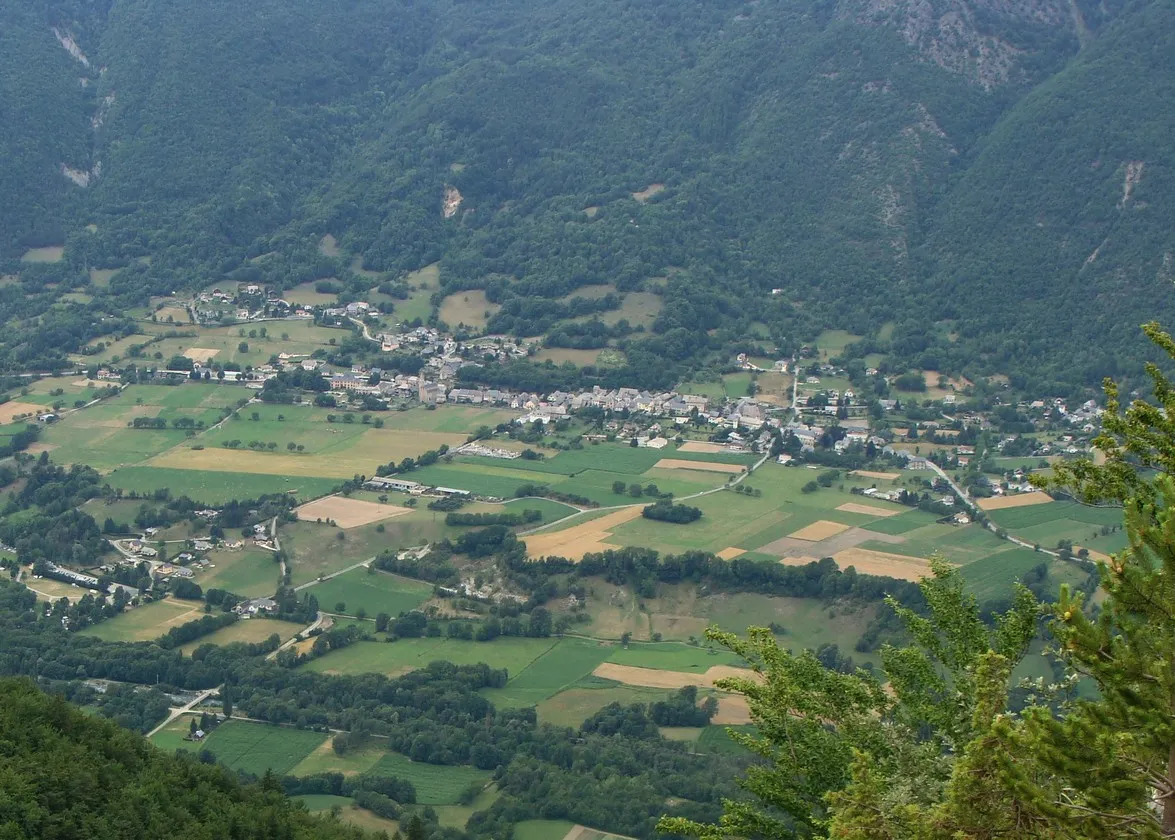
x: 990, y: 42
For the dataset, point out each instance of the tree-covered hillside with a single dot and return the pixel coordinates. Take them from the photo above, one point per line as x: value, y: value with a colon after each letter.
x: 927, y: 164
x: 67, y: 775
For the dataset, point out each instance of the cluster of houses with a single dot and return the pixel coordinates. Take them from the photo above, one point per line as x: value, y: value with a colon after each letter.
x: 255, y: 607
x: 249, y: 302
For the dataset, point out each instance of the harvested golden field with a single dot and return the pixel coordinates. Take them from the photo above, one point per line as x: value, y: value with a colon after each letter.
x: 733, y: 710
x: 578, y: 540
x: 884, y: 476
x: 348, y: 513
x: 200, y: 354
x: 870, y: 562
x: 820, y: 530
x: 867, y: 510
x: 731, y: 553
x: 653, y: 678
x: 801, y: 560
x: 705, y: 466
x: 1018, y: 500
x: 360, y: 455
x: 704, y: 447
x: 9, y: 411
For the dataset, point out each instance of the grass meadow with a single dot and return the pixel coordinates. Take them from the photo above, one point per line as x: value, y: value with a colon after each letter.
x: 717, y: 740
x: 372, y: 592
x: 147, y: 622
x: 215, y: 487
x: 579, y: 702
x: 558, y: 668
x: 315, y: 548
x: 513, y: 654
x: 435, y: 784
x: 542, y: 829
x: 257, y: 747
x: 252, y: 630
x: 251, y: 571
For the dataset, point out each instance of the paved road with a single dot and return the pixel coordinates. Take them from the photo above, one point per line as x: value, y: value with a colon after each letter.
x: 366, y: 333
x: 361, y: 565
x: 176, y: 712
x: 318, y: 620
x: 974, y: 508
x: 738, y: 480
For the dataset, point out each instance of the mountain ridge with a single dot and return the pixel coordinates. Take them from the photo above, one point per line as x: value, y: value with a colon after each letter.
x: 846, y: 152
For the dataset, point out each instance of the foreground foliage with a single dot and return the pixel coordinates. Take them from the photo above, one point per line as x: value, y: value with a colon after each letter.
x: 941, y: 755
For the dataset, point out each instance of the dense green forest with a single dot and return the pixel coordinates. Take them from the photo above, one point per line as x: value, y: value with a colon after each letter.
x: 67, y: 775
x: 992, y: 179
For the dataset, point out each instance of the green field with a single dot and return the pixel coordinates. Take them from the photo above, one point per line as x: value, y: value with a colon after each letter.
x: 832, y: 343
x: 612, y: 457
x: 99, y: 435
x: 716, y: 739
x: 551, y: 511
x: 316, y: 550
x: 171, y: 737
x: 1030, y: 515
x: 513, y: 654
x: 250, y: 630
x: 672, y: 656
x: 808, y: 622
x: 450, y: 419
x: 457, y: 816
x: 315, y: 802
x: 558, y: 668
x: 435, y: 784
x: 374, y: 592
x: 216, y: 488
x: 992, y: 576
x: 902, y: 523
x: 250, y: 571
x: 735, y: 520
x: 302, y: 338
x: 542, y: 829
x: 147, y: 622
x: 106, y: 448
x: 257, y: 747
x: 588, y: 472
x: 579, y: 702
x: 121, y: 511
x: 354, y: 761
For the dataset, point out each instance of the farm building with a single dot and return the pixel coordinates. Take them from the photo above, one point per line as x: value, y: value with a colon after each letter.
x: 380, y: 482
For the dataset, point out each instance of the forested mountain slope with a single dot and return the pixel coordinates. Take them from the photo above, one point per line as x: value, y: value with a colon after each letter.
x: 67, y: 775
x: 929, y: 163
